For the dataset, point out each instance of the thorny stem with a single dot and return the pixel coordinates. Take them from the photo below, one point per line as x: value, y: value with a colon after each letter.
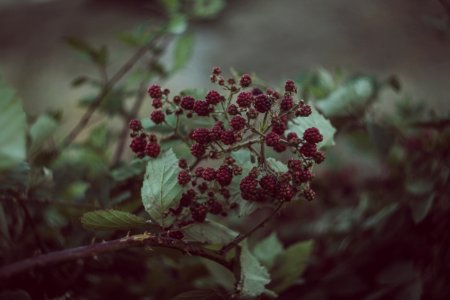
x: 139, y: 240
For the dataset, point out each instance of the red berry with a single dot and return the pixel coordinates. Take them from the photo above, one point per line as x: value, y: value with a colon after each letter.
x: 290, y: 86
x: 198, y: 150
x: 304, y: 111
x: 154, y: 91
x: 262, y: 103
x: 312, y: 135
x: 209, y: 174
x: 279, y: 148
x: 238, y: 122
x: 287, y: 103
x: 135, y: 125
x: 214, y: 207
x: 269, y: 183
x: 178, y: 235
x: 152, y: 149
x: 201, y: 135
x: 203, y: 187
x: 308, y: 149
x: 224, y: 175
x: 187, y: 102
x: 295, y: 165
x: 227, y: 137
x: 201, y: 108
x: 272, y: 139
x: 292, y: 136
x: 199, y: 171
x: 216, y: 131
x: 182, y: 163
x: 245, y: 80
x: 286, y: 191
x: 232, y: 110
x: 279, y: 125
x: 309, y: 194
x: 217, y: 71
x: 244, y: 99
x: 138, y: 144
x: 157, y: 116
x: 184, y: 177
x: 256, y: 92
x: 252, y: 113
x: 213, y: 97
x: 199, y: 212
x: 302, y: 175
x: 157, y: 103
x: 248, y: 187
x: 319, y: 157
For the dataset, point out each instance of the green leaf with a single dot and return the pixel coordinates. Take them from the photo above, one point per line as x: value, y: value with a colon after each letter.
x: 349, y: 98
x: 99, y: 137
x: 111, y: 220
x: 172, y: 6
x: 13, y: 125
x: 290, y: 265
x: 177, y: 24
x: 277, y: 165
x: 201, y: 294
x: 160, y: 190
x: 223, y: 276
x: 79, y: 44
x: 253, y: 275
x: 41, y: 131
x: 184, y: 47
x: 134, y: 168
x: 209, y: 232
x: 79, y: 81
x: 300, y: 124
x: 207, y: 8
x: 420, y: 207
x: 268, y: 250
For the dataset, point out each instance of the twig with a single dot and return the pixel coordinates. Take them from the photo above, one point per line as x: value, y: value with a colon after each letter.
x: 140, y: 240
x: 243, y: 236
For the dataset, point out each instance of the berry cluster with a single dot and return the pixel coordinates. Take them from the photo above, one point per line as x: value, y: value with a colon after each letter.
x: 244, y: 117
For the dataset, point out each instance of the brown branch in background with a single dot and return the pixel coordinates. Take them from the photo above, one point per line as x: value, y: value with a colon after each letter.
x: 140, y: 240
x: 243, y: 236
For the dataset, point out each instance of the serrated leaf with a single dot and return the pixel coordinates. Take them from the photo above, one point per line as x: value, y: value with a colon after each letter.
x: 268, y: 250
x: 290, y: 265
x: 277, y: 165
x: 160, y: 190
x: 209, y: 232
x: 300, y: 124
x: 40, y: 131
x: 201, y: 294
x: 253, y: 275
x: 13, y: 125
x: 111, y: 220
x: 184, y: 47
x: 349, y: 98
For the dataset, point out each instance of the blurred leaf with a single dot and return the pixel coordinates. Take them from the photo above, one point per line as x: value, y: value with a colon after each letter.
x: 419, y: 187
x: 207, y: 8
x: 111, y: 220
x: 14, y: 295
x: 300, y: 124
x: 203, y: 294
x: 380, y: 216
x: 99, y: 137
x: 79, y: 81
x: 382, y: 137
x: 160, y: 189
x: 41, y: 131
x: 134, y: 168
x: 112, y: 104
x: 223, y: 276
x: 209, y: 232
x: 177, y: 24
x: 13, y: 124
x: 349, y: 98
x: 290, y: 265
x: 242, y: 157
x: 253, y: 275
x: 101, y: 56
x: 184, y: 47
x: 79, y: 44
x: 138, y: 37
x: 268, y: 249
x: 277, y: 165
x: 172, y: 6
x: 421, y: 207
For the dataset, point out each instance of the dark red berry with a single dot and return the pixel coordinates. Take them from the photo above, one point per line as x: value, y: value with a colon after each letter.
x: 262, y: 103
x: 178, y: 235
x: 186, y: 199
x: 244, y: 99
x: 287, y: 103
x: 248, y: 187
x: 269, y: 184
x: 232, y: 110
x: 152, y: 149
x: 227, y: 137
x: 199, y: 212
x: 279, y: 125
x: 290, y: 86
x: 217, y: 71
x: 177, y: 100
x: 198, y: 150
x: 304, y: 111
x: 199, y: 171
x: 157, y: 116
x: 302, y: 176
x: 182, y: 163
x: 209, y: 174
x: 154, y: 91
x: 308, y: 149
x: 256, y: 92
x: 312, y: 135
x: 238, y: 122
x: 135, y: 125
x: 224, y: 175
x: 279, y: 148
x: 272, y: 139
x: 201, y: 108
x: 203, y: 187
x: 157, y: 103
x: 245, y: 80
x: 215, y: 207
x: 213, y: 97
x: 187, y: 102
x: 216, y: 131
x: 201, y: 135
x: 184, y: 177
x: 319, y: 157
x: 309, y: 194
x: 295, y: 165
x: 252, y: 113
x: 292, y: 136
x: 286, y: 191
x: 138, y: 144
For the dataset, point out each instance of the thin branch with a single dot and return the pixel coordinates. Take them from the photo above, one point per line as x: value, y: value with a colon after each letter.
x: 140, y: 240
x: 243, y: 236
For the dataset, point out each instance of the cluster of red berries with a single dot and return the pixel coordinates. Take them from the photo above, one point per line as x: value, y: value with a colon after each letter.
x: 143, y: 144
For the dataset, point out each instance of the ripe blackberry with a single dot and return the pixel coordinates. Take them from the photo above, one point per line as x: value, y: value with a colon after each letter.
x: 279, y: 148
x: 238, y: 123
x: 292, y: 137
x: 135, y: 125
x: 184, y: 177
x: 252, y: 113
x: 217, y: 71
x: 272, y: 139
x: 177, y: 235
x: 302, y: 176
x: 182, y: 163
x: 152, y: 149
x: 187, y: 102
x: 227, y: 137
x: 289, y: 86
x: 304, y: 111
x: 177, y: 100
x: 216, y: 131
x: 186, y: 199
x: 232, y: 110
x: 214, y: 207
x: 203, y: 187
x: 201, y: 107
x: 213, y: 97
x: 262, y: 103
x: 201, y: 135
x: 199, y: 171
x: 209, y: 174
x: 269, y: 184
x: 199, y: 212
x: 256, y: 92
x: 279, y: 125
x: 309, y: 194
x: 244, y: 99
x: 138, y: 144
x: 295, y: 165
x: 224, y: 175
x: 229, y: 160
x: 198, y: 150
x: 248, y: 187
x: 319, y: 157
x: 157, y: 103
x: 286, y: 191
x: 287, y: 103
x: 312, y: 135
x: 308, y: 149
x: 157, y: 116
x: 154, y: 91
x: 245, y: 80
